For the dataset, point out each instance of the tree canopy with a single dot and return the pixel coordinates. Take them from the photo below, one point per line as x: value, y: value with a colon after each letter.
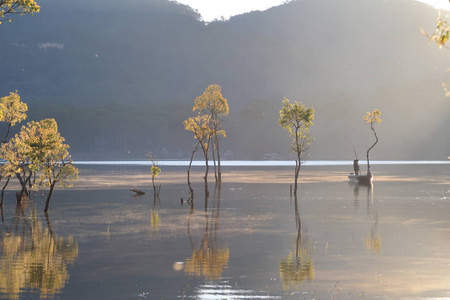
x: 17, y: 7
x: 12, y: 111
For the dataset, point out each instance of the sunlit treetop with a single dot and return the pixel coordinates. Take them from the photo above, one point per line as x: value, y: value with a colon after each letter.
x: 12, y: 109
x: 200, y: 126
x: 295, y: 116
x: 372, y: 117
x: 17, y: 7
x: 212, y: 102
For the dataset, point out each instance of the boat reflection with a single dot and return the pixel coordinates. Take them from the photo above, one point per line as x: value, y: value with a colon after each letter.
x: 209, y: 258
x: 373, y: 241
x: 33, y: 259
x: 298, y: 265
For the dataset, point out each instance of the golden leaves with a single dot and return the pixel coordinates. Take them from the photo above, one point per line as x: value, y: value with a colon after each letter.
x: 372, y: 117
x: 12, y: 110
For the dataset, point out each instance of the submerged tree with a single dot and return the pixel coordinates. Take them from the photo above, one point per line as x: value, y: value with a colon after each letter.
x: 213, y: 104
x: 372, y: 118
x: 39, y: 149
x: 49, y: 156
x: 296, y: 119
x: 155, y: 171
x: 17, y: 7
x: 200, y: 126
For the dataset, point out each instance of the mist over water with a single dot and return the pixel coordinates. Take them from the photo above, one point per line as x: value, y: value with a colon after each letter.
x: 260, y: 163
x: 246, y: 240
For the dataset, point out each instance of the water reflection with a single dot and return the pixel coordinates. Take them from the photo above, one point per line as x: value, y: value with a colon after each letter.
x: 209, y: 258
x: 32, y: 257
x: 155, y: 218
x: 373, y: 241
x: 298, y: 265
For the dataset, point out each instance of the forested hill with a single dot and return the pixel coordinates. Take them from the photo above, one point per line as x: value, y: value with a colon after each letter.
x: 120, y: 77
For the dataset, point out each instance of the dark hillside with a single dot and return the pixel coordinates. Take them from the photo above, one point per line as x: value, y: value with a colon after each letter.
x: 120, y: 79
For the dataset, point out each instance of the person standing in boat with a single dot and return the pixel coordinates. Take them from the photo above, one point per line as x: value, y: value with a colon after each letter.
x: 356, y: 166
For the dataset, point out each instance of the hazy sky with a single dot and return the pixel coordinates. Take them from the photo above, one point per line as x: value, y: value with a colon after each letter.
x: 215, y: 9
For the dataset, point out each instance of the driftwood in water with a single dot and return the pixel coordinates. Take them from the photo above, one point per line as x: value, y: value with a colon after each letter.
x: 137, y: 191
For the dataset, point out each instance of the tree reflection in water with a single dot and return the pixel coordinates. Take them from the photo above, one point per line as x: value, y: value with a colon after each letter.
x: 373, y: 242
x: 209, y: 259
x: 32, y: 257
x: 155, y: 219
x: 298, y: 265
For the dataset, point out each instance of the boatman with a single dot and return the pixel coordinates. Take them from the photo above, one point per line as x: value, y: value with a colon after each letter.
x: 356, y: 166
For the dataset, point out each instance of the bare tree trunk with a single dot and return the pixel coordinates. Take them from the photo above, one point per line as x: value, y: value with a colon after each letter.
x: 23, y: 194
x: 50, y: 193
x: 191, y: 190
x: 2, y: 200
x: 376, y: 141
x: 206, y: 175
x: 297, y: 172
x: 154, y: 188
x: 214, y: 157
x: 49, y: 225
x: 7, y: 133
x: 219, y: 172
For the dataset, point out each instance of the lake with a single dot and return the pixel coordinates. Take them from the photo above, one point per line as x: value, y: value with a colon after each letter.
x: 249, y: 239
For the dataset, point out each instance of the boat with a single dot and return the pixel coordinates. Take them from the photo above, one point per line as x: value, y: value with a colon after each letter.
x: 361, y: 179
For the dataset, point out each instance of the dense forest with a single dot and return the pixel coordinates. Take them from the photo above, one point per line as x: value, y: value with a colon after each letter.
x: 121, y: 78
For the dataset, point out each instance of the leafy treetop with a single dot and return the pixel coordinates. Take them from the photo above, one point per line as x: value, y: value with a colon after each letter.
x: 212, y: 102
x: 295, y: 116
x: 12, y: 109
x: 372, y: 117
x: 17, y: 7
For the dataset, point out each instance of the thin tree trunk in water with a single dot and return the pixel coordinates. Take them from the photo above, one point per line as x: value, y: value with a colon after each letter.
x: 297, y: 171
x: 23, y: 194
x: 49, y: 225
x: 47, y: 203
x: 206, y: 175
x: 191, y: 190
x: 376, y: 141
x: 3, y: 191
x: 214, y: 158
x: 154, y: 188
x: 219, y: 172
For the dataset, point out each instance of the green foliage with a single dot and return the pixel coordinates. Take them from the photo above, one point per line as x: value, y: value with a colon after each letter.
x: 155, y: 170
x: 19, y: 7
x: 296, y: 119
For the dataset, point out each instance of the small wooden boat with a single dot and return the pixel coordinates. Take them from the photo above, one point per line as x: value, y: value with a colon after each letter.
x: 361, y: 179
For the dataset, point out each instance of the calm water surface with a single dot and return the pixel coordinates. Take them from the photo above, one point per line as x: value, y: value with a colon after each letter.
x: 244, y: 241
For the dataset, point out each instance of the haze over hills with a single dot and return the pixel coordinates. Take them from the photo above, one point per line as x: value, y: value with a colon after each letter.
x: 120, y: 79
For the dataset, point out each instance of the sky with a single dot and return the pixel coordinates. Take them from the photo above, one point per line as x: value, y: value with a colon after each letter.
x: 216, y: 9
